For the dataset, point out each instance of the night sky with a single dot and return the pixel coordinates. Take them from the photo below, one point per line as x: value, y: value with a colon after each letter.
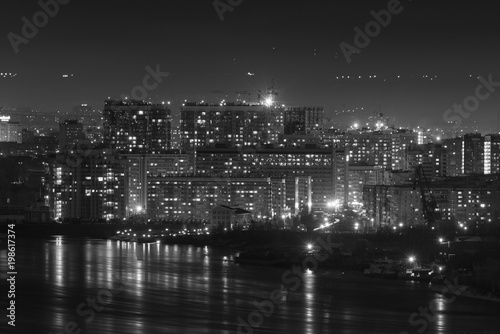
x: 107, y: 45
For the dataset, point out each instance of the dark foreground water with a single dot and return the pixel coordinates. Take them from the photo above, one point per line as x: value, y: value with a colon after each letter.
x: 96, y: 286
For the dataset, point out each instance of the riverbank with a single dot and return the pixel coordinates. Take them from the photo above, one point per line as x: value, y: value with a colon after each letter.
x: 355, y: 251
x: 98, y: 231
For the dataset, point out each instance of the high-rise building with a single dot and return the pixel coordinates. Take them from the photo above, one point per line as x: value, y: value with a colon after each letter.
x: 453, y: 148
x: 401, y: 141
x: 195, y: 197
x: 358, y: 177
x: 140, y: 167
x: 10, y: 131
x: 70, y: 133
x: 136, y: 126
x: 90, y: 187
x: 373, y: 148
x: 313, y: 167
x: 87, y: 115
x: 492, y: 154
x: 234, y: 124
x: 475, y: 199
x: 432, y: 158
x: 472, y: 154
x: 302, y: 120
x: 339, y: 178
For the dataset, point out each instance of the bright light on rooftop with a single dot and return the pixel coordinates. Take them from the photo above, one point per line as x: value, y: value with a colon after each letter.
x: 269, y: 102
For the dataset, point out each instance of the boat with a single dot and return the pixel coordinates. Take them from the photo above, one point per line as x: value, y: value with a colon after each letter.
x: 149, y: 236
x: 417, y: 272
x: 123, y: 238
x: 126, y: 235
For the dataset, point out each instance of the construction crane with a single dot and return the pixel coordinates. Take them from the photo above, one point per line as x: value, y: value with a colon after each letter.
x: 273, y: 90
x: 237, y: 92
x: 268, y: 97
x: 429, y: 204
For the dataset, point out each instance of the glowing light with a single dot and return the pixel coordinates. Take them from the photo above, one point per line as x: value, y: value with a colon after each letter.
x: 411, y: 259
x: 269, y: 102
x: 334, y: 204
x: 309, y: 246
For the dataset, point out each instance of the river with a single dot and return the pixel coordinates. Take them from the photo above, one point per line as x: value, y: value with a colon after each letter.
x: 72, y: 285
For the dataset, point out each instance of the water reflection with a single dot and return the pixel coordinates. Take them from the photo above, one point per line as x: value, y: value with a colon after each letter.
x: 159, y: 288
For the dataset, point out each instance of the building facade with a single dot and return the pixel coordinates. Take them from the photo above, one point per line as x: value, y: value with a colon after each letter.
x: 235, y: 124
x: 136, y: 126
x: 90, y: 188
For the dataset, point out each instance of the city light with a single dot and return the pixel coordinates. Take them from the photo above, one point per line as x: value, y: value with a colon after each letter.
x: 268, y: 101
x: 334, y: 204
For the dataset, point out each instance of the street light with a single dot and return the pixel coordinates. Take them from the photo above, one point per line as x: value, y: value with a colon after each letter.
x: 411, y: 259
x: 309, y: 246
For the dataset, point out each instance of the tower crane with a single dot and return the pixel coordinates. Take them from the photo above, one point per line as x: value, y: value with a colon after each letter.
x: 429, y: 204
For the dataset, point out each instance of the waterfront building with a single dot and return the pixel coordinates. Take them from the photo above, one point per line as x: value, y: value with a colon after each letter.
x: 89, y: 186
x: 228, y: 218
